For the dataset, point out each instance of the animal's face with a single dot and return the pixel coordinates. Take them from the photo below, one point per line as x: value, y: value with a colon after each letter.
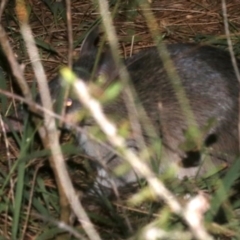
x: 95, y: 66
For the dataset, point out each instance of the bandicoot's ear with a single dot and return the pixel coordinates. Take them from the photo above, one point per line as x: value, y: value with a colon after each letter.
x: 107, y: 66
x: 90, y: 41
x: 89, y: 50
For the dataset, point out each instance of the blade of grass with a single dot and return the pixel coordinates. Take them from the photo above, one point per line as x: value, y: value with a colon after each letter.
x: 225, y: 185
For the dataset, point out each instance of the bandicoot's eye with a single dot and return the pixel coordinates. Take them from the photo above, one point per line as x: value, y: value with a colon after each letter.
x: 68, y: 102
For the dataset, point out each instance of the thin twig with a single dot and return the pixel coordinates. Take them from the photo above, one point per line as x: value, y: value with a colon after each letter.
x: 69, y: 31
x: 70, y: 49
x: 2, y: 7
x: 16, y: 69
x: 8, y: 156
x: 57, y: 161
x: 194, y: 214
x: 124, y: 76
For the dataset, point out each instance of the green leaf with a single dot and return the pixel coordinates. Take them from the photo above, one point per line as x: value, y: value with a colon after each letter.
x: 44, y: 45
x: 112, y: 92
x: 224, y: 187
